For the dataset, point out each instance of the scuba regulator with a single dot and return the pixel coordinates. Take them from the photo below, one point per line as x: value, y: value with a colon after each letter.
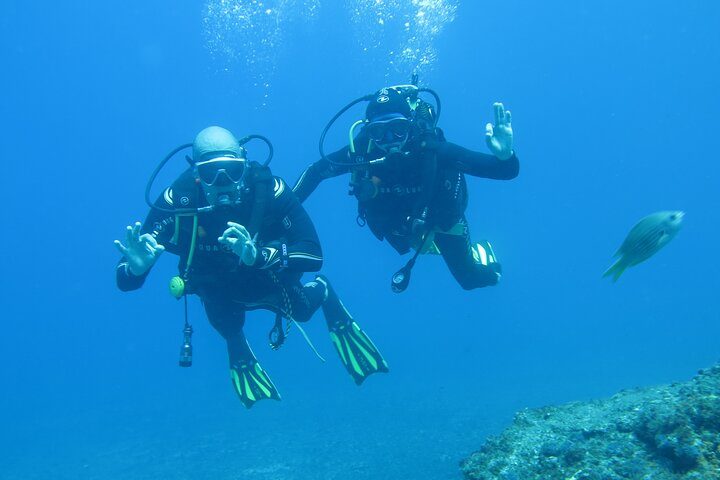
x: 178, y: 284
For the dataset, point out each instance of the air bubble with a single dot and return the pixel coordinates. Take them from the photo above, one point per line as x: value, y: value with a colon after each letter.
x: 404, y: 36
x: 247, y: 35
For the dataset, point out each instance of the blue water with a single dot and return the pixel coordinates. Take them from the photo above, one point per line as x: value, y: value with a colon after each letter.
x: 615, y: 108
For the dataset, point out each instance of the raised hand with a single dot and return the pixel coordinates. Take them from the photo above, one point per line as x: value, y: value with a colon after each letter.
x: 140, y: 251
x: 499, y: 137
x: 240, y: 242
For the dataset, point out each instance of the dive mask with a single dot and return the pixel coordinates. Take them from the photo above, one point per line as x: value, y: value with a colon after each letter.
x: 221, y: 170
x: 222, y: 179
x: 389, y: 133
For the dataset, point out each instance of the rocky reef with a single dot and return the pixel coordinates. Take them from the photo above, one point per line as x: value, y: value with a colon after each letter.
x: 660, y: 433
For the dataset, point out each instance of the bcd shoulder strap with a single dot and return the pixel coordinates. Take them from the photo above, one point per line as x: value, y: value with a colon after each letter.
x: 259, y: 180
x: 186, y: 193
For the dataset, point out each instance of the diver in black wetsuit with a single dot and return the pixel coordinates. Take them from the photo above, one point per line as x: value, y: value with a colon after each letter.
x: 410, y: 182
x: 244, y: 242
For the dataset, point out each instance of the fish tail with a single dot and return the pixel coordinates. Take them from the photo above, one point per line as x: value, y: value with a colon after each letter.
x: 616, y: 269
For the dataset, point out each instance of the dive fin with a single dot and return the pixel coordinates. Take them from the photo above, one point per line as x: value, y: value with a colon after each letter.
x: 249, y: 379
x: 615, y: 270
x: 357, y: 352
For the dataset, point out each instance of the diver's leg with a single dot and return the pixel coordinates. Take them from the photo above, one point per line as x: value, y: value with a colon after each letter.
x: 306, y: 299
x: 357, y: 352
x: 472, y: 265
x: 225, y: 316
x: 249, y: 379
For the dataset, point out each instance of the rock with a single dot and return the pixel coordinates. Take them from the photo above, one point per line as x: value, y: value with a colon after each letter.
x: 661, y: 433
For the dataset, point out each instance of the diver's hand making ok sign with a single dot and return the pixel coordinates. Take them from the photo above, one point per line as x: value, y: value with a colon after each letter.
x: 140, y: 251
x: 238, y: 239
x: 499, y: 137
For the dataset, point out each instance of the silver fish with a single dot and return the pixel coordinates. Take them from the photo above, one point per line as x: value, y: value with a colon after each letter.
x: 645, y: 239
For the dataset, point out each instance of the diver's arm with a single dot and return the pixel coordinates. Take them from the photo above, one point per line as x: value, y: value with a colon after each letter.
x: 503, y: 164
x: 300, y: 248
x: 477, y: 164
x: 125, y: 280
x: 155, y: 232
x: 332, y: 166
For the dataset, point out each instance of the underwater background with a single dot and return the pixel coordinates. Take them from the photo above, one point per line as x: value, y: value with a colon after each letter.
x: 615, y: 114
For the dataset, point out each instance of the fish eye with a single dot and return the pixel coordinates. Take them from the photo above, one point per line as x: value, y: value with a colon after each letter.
x: 673, y: 217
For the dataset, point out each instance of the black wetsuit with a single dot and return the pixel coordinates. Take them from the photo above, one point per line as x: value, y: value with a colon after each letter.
x: 287, y: 245
x: 426, y: 182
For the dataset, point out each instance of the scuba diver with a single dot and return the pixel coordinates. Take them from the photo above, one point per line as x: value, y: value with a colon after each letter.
x: 244, y: 242
x: 410, y: 182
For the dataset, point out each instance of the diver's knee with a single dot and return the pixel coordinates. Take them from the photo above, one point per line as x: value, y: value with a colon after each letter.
x: 485, y: 276
x: 467, y: 285
x: 308, y: 299
x: 227, y: 326
x: 487, y: 271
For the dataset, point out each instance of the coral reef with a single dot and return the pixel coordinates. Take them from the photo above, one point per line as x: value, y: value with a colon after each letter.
x: 661, y: 433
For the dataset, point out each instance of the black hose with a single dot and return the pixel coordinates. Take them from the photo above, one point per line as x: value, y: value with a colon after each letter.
x: 347, y: 107
x: 154, y: 175
x: 438, y: 106
x: 271, y: 150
